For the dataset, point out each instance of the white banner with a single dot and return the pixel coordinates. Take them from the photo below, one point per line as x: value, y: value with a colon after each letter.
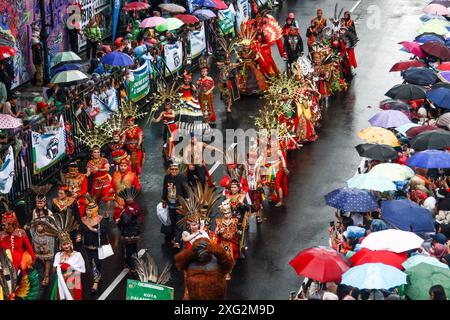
x: 198, y: 41
x: 173, y: 54
x: 242, y: 12
x: 48, y: 148
x: 106, y: 106
x: 7, y: 172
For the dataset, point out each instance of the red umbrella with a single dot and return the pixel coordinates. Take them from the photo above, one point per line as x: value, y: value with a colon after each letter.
x: 405, y: 65
x: 320, y: 264
x: 7, y: 52
x: 136, y: 6
x: 220, y: 5
x: 436, y: 49
x: 414, y: 48
x: 187, y: 18
x: 445, y: 66
x: 411, y: 133
x: 380, y: 256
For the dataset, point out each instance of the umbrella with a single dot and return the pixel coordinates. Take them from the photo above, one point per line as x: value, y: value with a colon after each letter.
x: 436, y: 9
x: 64, y: 57
x: 407, y: 92
x: 204, y: 3
x: 407, y: 216
x: 436, y: 49
x: 438, y: 29
x: 172, y: 8
x: 422, y: 277
x: 428, y: 17
x: 204, y: 14
x: 320, y: 264
x: 379, y: 136
x: 7, y: 52
x: 406, y: 127
x: 413, y: 48
x: 136, y: 6
x: 444, y: 76
x: 65, y: 67
x: 440, y: 85
x: 418, y: 130
x: 393, y: 171
x: 430, y: 159
x: 220, y: 5
x: 440, y: 97
x: 170, y: 24
x: 444, y: 66
x: 9, y: 122
x: 436, y: 22
x: 405, y: 65
x: 378, y: 152
x: 444, y: 120
x: 351, y: 200
x: 118, y: 59
x: 428, y: 37
x: 418, y: 258
x: 438, y: 139
x: 69, y: 78
x: 398, y: 105
x: 372, y: 182
x: 152, y: 22
x: 374, y: 276
x: 392, y: 240
x: 445, y: 3
x: 389, y: 119
x: 420, y: 76
x: 381, y: 256
x: 187, y: 18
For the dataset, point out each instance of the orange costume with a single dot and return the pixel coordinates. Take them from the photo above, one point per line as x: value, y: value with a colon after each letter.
x: 206, y: 99
x: 121, y: 181
x: 132, y: 136
x: 100, y: 180
x: 228, y: 239
x: 77, y: 184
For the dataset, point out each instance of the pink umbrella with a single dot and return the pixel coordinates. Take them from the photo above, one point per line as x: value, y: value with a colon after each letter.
x: 414, y: 48
x: 9, y: 122
x: 152, y: 22
x: 437, y: 9
x: 220, y: 5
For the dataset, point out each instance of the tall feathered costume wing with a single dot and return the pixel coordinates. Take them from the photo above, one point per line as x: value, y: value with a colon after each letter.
x: 147, y: 270
x: 272, y: 30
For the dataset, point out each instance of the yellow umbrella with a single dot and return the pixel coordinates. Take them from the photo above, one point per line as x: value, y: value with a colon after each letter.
x: 433, y: 28
x: 437, y: 22
x: 379, y: 135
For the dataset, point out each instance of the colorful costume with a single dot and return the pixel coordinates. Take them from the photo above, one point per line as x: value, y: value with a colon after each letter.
x: 227, y: 232
x: 77, y: 185
x: 132, y: 136
x: 206, y: 98
x: 100, y: 180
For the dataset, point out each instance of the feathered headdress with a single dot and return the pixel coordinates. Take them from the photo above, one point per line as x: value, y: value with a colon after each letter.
x: 130, y: 109
x: 129, y: 194
x: 247, y: 34
x: 271, y: 29
x: 203, y: 62
x: 227, y: 45
x: 225, y: 207
x: 199, y: 204
x: 147, y: 270
x: 59, y: 225
x: 165, y: 94
x: 277, y: 85
x: 94, y: 138
x: 41, y: 191
x: 115, y: 123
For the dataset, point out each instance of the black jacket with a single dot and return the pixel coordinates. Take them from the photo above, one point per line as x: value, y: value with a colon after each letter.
x: 180, y: 183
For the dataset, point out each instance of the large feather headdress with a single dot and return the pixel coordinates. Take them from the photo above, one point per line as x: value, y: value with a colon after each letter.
x: 147, y: 270
x: 199, y: 204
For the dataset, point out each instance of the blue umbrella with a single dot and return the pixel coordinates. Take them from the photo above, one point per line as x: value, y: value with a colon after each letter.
x: 374, y: 276
x: 389, y: 119
x: 428, y: 37
x: 407, y: 216
x: 427, y: 17
x: 440, y: 97
x: 404, y: 128
x: 430, y: 159
x: 117, y: 59
x: 351, y: 200
x: 67, y: 67
x: 420, y: 76
x: 204, y: 3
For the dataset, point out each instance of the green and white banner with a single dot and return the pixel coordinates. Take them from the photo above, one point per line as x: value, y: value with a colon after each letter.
x: 226, y: 20
x: 139, y: 87
x: 173, y: 54
x: 48, y: 148
x: 198, y: 41
x: 137, y: 290
x: 7, y: 172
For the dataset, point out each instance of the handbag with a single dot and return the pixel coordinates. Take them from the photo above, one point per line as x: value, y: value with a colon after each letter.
x: 163, y: 214
x: 104, y: 251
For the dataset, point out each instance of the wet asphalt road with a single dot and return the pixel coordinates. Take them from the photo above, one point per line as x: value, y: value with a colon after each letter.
x: 315, y: 170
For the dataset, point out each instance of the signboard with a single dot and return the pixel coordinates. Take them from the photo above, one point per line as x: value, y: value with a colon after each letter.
x: 105, y: 107
x: 226, y: 20
x: 137, y: 290
x: 173, y: 54
x: 242, y: 12
x: 139, y: 87
x: 100, y: 8
x: 7, y: 172
x: 198, y: 41
x: 48, y: 148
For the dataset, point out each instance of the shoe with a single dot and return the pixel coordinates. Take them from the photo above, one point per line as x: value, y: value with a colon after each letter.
x: 259, y: 220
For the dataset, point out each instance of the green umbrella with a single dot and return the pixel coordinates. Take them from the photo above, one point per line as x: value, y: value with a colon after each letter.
x: 437, y: 22
x: 433, y: 28
x: 64, y: 57
x: 418, y: 259
x: 422, y: 277
x: 169, y: 25
x: 68, y: 78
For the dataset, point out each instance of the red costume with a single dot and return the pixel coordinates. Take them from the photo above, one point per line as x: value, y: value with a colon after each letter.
x: 266, y: 63
x: 100, y: 180
x: 77, y: 185
x: 132, y: 136
x: 206, y: 97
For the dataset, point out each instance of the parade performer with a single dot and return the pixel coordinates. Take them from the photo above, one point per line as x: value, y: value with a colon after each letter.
x: 40, y: 210
x: 117, y: 156
x: 193, y: 232
x: 205, y: 267
x: 64, y: 203
x: 253, y: 176
x: 205, y: 85
x: 68, y: 264
x: 319, y: 21
x: 264, y: 53
x: 128, y: 222
x: 99, y: 168
x: 115, y: 145
x: 350, y: 25
x: 113, y: 129
x: 122, y: 179
x: 286, y: 31
x: 277, y: 173
x: 288, y: 118
x: 227, y: 233
x: 250, y: 80
x: 322, y: 72
x: 132, y: 139
x: 227, y: 76
x: 293, y: 45
x: 77, y: 186
x: 188, y: 89
x: 94, y: 227
x: 43, y: 246
x: 170, y: 127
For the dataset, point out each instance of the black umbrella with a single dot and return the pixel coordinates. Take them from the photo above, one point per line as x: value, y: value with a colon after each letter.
x: 420, y: 76
x: 440, y: 85
x: 378, y: 152
x: 407, y: 92
x: 431, y: 140
x: 445, y: 3
x: 398, y: 105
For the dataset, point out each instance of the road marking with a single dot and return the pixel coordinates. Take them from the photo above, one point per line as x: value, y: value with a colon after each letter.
x: 355, y: 6
x: 118, y: 279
